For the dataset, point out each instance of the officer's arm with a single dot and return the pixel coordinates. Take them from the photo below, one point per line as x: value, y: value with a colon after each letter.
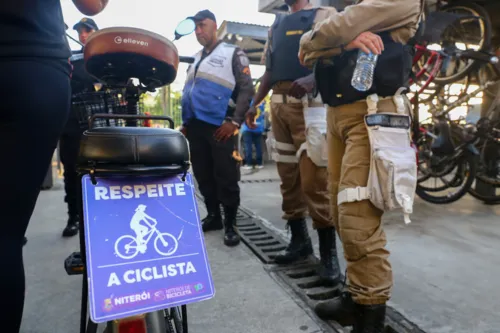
x: 244, y: 82
x: 370, y: 15
x: 265, y: 80
x: 90, y: 7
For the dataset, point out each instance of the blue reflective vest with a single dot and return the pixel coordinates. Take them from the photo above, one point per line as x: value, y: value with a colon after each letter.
x: 207, y: 93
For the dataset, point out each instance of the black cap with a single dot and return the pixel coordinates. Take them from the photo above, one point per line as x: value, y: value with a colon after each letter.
x: 88, y: 22
x: 203, y: 14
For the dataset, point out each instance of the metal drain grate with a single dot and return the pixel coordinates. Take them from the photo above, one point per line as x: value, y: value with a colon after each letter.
x: 260, y: 240
x: 250, y: 181
x: 301, y: 277
x: 304, y: 282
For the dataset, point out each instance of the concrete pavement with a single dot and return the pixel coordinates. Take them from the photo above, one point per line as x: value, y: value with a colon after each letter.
x: 445, y: 262
x: 445, y: 266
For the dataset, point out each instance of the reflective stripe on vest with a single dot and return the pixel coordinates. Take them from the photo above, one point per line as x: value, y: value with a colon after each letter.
x: 206, y: 95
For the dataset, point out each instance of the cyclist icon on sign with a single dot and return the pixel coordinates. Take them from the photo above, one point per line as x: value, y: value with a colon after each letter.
x: 135, y: 223
x: 127, y: 246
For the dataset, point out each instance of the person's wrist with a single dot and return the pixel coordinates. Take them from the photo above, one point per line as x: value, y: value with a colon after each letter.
x: 232, y: 121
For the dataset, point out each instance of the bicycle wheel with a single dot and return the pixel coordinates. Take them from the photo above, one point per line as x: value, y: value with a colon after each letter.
x: 130, y: 244
x: 467, y: 25
x: 467, y: 167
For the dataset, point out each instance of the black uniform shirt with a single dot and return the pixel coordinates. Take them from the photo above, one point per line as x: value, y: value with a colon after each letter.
x: 33, y: 29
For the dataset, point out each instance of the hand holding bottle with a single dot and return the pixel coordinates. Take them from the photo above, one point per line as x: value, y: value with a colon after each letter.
x: 368, y: 42
x: 370, y: 46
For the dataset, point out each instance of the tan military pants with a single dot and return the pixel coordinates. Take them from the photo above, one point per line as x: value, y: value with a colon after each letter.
x: 358, y: 223
x: 303, y: 184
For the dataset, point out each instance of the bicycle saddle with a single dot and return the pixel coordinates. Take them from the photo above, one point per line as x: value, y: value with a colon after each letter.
x: 114, y: 55
x: 138, y: 146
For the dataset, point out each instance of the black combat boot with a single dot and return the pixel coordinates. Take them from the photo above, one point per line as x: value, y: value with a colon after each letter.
x: 329, y: 269
x: 341, y: 309
x: 213, y: 220
x: 231, y: 238
x: 72, y: 226
x: 300, y: 246
x: 369, y: 319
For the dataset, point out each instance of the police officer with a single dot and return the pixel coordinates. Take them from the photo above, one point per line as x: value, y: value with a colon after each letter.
x: 382, y: 27
x: 303, y: 183
x: 216, y: 96
x: 69, y: 143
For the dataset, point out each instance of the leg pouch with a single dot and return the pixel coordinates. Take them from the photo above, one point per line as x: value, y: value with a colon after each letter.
x: 272, y: 153
x: 315, y: 145
x: 393, y: 168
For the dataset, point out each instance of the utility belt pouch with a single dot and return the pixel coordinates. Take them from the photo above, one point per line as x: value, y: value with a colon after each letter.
x: 325, y: 84
x: 315, y: 144
x: 271, y: 146
x: 392, y: 179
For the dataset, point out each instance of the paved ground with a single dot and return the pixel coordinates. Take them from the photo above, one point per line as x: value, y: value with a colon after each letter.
x: 445, y: 262
x: 247, y: 299
x: 445, y: 266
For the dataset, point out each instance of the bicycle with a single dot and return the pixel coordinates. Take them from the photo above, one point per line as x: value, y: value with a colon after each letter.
x: 440, y: 153
x: 458, y: 25
x: 120, y: 162
x: 136, y: 245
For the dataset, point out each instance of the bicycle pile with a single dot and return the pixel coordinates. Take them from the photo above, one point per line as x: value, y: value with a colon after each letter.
x: 453, y: 65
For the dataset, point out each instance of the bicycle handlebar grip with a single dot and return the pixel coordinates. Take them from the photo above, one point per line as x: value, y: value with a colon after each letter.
x: 188, y: 60
x: 480, y: 56
x: 129, y: 116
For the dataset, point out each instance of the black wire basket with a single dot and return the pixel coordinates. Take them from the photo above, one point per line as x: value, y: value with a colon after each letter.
x: 87, y: 104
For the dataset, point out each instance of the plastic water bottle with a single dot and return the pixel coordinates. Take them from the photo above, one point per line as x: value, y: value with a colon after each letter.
x: 362, y: 79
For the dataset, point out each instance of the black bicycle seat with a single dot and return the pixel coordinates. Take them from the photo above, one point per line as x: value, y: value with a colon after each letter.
x: 140, y: 146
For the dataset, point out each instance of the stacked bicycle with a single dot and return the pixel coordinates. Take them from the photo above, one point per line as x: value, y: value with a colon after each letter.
x: 453, y: 67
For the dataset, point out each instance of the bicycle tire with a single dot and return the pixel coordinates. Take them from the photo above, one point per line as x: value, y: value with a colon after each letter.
x: 487, y: 199
x: 479, y: 11
x: 176, y: 315
x: 168, y: 323
x: 468, y: 159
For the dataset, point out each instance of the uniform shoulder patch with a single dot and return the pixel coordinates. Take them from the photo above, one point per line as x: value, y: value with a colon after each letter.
x: 243, y: 58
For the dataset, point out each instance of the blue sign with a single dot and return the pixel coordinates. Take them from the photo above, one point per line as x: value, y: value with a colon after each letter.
x: 145, y: 246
